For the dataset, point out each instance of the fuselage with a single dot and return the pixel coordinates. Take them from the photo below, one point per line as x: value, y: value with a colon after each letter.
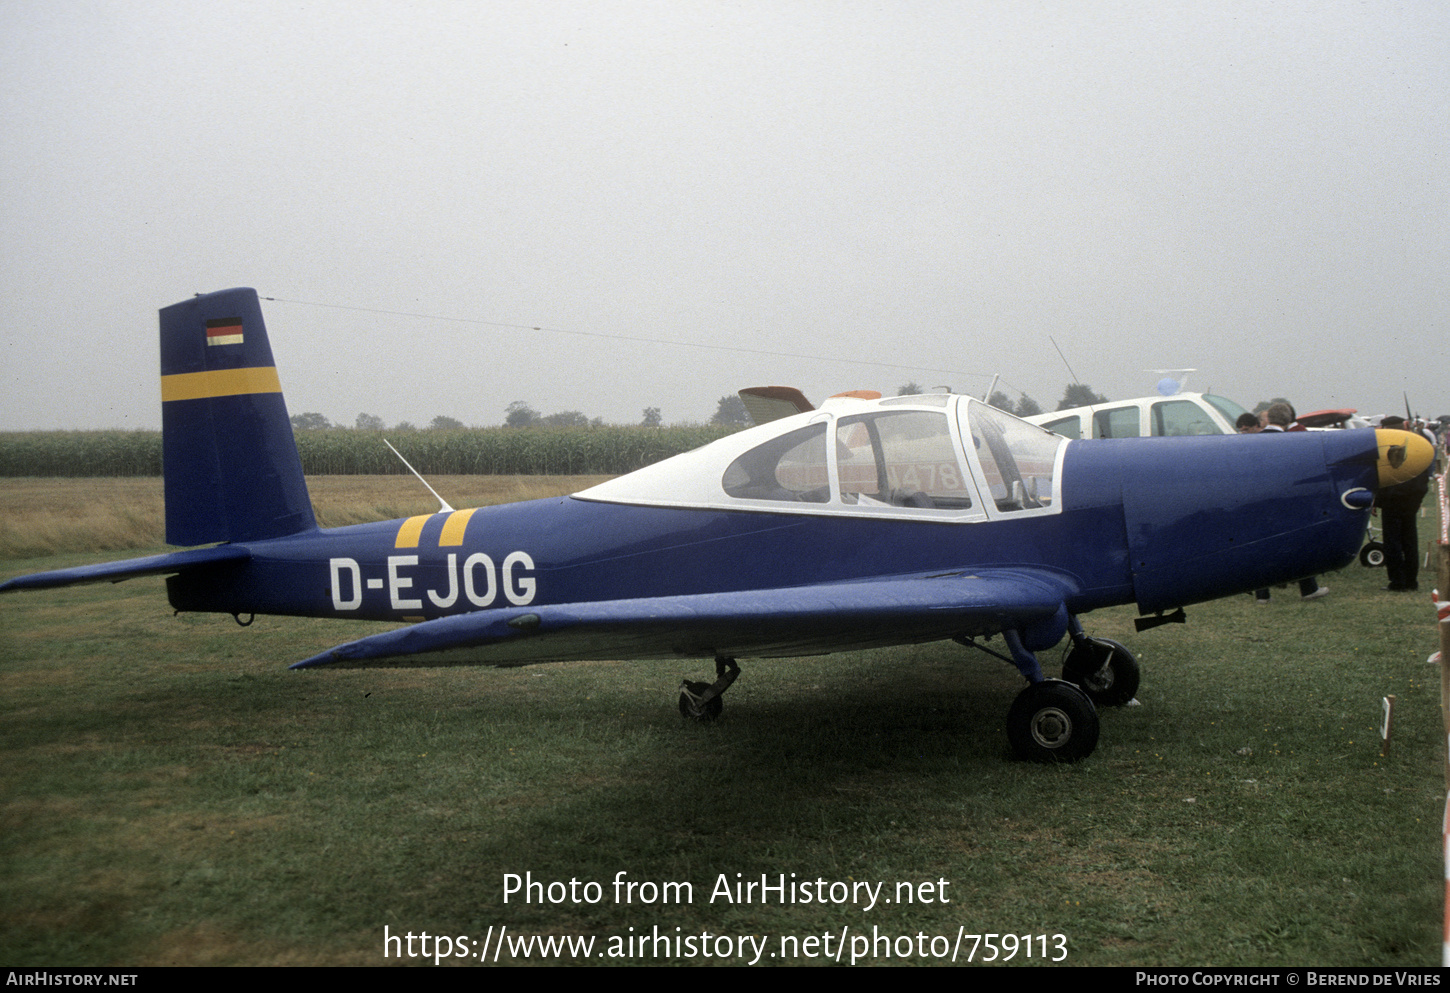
x: 1160, y: 522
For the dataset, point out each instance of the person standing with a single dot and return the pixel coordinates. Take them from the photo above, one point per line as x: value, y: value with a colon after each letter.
x: 1398, y: 506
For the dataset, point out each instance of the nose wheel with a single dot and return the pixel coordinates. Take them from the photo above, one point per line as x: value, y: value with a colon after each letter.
x: 701, y: 701
x: 1105, y: 670
x: 1372, y: 555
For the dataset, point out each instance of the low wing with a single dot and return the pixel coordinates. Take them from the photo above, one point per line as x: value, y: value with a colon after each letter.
x: 801, y: 620
x: 114, y: 572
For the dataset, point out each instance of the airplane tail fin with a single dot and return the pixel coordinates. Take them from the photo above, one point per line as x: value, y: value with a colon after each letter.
x: 231, y: 463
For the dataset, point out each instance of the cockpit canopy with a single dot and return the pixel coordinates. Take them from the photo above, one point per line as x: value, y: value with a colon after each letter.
x: 927, y: 457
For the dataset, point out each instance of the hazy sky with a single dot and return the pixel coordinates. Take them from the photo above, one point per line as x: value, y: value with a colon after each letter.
x: 917, y: 190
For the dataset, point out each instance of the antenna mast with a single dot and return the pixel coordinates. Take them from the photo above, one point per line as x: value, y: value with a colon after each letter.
x: 1064, y: 360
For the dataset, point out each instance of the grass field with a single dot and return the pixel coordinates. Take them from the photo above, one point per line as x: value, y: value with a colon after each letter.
x: 171, y: 794
x: 41, y: 516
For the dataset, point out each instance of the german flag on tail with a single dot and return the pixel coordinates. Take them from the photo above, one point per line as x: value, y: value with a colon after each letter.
x: 224, y: 331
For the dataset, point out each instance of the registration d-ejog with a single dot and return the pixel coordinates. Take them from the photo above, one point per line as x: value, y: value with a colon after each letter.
x: 767, y: 888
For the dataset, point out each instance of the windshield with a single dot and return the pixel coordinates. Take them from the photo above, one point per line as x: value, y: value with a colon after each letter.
x: 1018, y: 459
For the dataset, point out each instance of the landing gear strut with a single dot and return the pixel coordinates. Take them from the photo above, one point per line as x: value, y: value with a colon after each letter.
x: 1056, y: 720
x: 1051, y: 720
x: 701, y: 701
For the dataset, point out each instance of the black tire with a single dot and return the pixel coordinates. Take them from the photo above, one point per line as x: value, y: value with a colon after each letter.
x: 1105, y: 670
x: 1052, y: 721
x: 1372, y: 555
x: 712, y: 709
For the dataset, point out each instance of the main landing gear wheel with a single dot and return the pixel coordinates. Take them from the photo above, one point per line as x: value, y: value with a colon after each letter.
x: 1372, y: 555
x: 1104, y: 670
x: 701, y: 701
x: 1052, y: 721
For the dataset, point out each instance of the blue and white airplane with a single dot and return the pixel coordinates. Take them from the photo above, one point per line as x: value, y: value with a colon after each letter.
x: 867, y: 522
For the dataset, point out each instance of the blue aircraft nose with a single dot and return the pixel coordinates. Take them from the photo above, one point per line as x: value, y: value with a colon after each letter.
x: 1224, y: 515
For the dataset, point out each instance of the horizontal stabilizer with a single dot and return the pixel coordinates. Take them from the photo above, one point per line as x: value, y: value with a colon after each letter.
x: 770, y: 403
x: 799, y: 620
x: 115, y: 572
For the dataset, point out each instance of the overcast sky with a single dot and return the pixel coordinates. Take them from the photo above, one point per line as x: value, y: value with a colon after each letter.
x: 692, y: 197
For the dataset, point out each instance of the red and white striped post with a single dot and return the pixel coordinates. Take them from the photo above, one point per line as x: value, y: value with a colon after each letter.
x: 1442, y: 613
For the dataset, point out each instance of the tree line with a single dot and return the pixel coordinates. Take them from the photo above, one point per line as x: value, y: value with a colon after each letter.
x: 729, y: 412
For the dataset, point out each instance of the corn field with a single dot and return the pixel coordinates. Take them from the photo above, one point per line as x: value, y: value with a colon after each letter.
x: 605, y: 450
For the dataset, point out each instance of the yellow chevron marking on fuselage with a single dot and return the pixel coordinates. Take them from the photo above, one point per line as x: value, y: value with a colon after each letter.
x: 411, y: 531
x: 219, y: 383
x: 453, y: 529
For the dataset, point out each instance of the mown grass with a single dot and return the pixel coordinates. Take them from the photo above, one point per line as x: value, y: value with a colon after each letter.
x: 41, y: 516
x: 171, y: 794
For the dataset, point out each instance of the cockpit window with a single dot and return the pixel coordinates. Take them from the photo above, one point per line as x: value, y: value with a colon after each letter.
x: 900, y: 459
x: 791, y: 467
x: 908, y: 460
x: 1018, y: 460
